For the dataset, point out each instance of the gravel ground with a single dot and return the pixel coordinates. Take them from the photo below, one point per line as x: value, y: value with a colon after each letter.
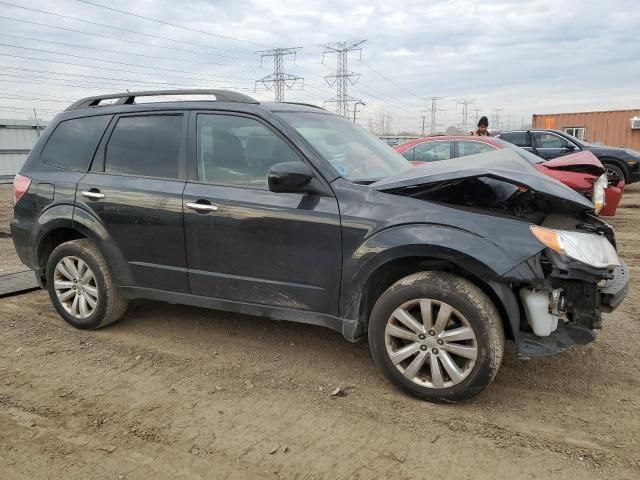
x: 174, y: 392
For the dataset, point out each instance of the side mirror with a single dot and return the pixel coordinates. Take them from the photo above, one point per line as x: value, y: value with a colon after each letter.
x: 290, y: 177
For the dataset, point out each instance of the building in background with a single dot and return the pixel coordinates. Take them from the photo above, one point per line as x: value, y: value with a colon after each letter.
x: 17, y: 137
x: 615, y: 128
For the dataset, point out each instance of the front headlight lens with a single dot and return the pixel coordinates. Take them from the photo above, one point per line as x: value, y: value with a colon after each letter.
x: 599, y: 197
x: 589, y: 248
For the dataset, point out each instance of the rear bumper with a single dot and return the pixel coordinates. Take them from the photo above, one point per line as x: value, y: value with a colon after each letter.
x: 21, y: 236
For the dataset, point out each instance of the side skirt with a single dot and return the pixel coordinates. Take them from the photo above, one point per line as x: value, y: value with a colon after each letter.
x: 347, y: 327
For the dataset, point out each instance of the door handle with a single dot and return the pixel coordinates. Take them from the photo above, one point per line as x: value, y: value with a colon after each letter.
x: 202, y: 207
x: 92, y: 195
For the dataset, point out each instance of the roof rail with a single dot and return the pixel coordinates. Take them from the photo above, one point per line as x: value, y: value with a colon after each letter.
x: 305, y: 104
x: 128, y: 98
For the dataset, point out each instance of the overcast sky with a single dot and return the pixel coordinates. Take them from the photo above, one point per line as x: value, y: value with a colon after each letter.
x: 523, y: 57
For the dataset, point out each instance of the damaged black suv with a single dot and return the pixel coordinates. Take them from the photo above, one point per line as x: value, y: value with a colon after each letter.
x: 290, y: 212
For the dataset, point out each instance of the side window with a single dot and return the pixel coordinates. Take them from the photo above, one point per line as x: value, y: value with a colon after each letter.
x: 409, y: 154
x: 549, y: 140
x: 471, y: 148
x: 146, y: 145
x: 238, y: 150
x: 72, y: 144
x: 521, y: 139
x: 433, y: 151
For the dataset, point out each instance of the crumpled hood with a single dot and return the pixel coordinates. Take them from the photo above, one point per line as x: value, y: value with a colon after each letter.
x: 580, y: 159
x: 505, y: 165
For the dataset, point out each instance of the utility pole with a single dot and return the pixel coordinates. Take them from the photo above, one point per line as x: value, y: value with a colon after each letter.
x: 465, y: 113
x: 355, y: 109
x: 279, y: 80
x: 35, y: 115
x: 343, y: 77
x: 433, y: 112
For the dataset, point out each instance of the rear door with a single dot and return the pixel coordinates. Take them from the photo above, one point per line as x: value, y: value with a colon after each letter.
x: 135, y: 188
x: 244, y: 242
x: 550, y: 145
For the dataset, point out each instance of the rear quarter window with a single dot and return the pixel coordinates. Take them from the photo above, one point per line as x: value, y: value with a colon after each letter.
x: 72, y: 144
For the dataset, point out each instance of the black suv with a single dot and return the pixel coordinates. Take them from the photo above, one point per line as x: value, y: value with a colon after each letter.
x: 293, y: 213
x: 621, y: 163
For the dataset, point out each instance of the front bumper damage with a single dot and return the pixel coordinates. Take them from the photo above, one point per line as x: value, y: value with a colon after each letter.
x: 585, y: 293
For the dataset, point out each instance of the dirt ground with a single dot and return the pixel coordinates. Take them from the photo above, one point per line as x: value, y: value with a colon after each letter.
x: 172, y: 392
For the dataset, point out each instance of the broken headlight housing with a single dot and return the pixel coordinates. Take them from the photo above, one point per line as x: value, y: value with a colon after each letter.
x: 589, y: 248
x: 599, y: 197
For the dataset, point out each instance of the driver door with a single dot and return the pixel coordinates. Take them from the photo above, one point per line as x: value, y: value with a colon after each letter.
x: 551, y: 145
x: 244, y: 242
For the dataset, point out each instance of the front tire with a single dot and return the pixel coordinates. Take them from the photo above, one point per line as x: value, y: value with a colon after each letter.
x: 81, y: 287
x: 437, y: 336
x: 614, y: 173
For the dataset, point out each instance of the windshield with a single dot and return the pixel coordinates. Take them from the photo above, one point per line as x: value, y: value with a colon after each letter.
x: 526, y: 154
x: 357, y: 155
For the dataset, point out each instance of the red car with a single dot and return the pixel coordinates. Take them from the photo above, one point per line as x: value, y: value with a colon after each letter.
x: 581, y: 171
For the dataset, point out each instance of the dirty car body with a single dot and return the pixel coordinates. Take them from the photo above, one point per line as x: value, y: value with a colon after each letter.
x: 311, y: 219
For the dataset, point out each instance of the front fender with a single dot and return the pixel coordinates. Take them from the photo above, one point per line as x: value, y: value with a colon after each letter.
x: 482, y: 258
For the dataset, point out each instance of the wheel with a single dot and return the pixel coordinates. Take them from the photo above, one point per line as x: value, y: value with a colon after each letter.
x: 81, y: 287
x: 614, y: 173
x: 437, y: 336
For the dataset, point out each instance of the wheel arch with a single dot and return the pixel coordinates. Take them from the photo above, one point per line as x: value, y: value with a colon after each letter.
x: 617, y: 162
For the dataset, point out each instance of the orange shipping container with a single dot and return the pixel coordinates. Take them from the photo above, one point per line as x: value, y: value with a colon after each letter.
x: 612, y: 128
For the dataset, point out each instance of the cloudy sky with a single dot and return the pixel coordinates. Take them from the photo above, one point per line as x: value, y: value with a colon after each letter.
x: 514, y: 57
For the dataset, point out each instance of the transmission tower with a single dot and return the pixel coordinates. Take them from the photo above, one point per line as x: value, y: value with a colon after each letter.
x: 464, y: 125
x: 433, y: 113
x: 477, y: 115
x: 496, y: 118
x: 343, y: 77
x: 279, y: 80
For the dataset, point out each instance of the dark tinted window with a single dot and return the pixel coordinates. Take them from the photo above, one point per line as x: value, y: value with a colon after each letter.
x: 468, y: 147
x: 238, y: 151
x: 520, y: 139
x: 73, y: 142
x: 550, y: 140
x: 146, y: 145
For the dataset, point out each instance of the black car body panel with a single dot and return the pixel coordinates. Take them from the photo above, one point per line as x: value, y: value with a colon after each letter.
x: 627, y: 161
x: 321, y: 257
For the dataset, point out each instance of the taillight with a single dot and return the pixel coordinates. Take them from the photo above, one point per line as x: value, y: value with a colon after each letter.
x: 20, y: 187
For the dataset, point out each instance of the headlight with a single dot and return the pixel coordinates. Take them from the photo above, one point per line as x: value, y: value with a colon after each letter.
x: 589, y: 248
x: 599, y: 197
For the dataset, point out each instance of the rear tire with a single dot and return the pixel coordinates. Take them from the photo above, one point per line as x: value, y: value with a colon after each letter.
x: 450, y: 326
x: 81, y: 286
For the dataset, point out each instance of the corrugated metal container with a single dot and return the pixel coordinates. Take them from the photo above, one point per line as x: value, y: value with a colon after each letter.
x: 17, y: 137
x: 612, y: 128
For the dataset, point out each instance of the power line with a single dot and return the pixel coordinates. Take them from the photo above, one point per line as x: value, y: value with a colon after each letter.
x: 343, y: 76
x: 116, y: 62
x: 114, y: 28
x: 392, y: 81
x: 98, y: 35
x: 172, y: 24
x: 278, y: 80
x: 121, y: 52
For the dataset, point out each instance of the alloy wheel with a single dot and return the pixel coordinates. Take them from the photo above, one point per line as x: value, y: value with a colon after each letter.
x: 75, y: 286
x: 431, y: 343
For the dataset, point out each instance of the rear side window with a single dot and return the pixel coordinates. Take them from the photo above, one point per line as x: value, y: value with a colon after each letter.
x: 73, y: 143
x: 521, y: 139
x: 473, y: 148
x: 146, y: 145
